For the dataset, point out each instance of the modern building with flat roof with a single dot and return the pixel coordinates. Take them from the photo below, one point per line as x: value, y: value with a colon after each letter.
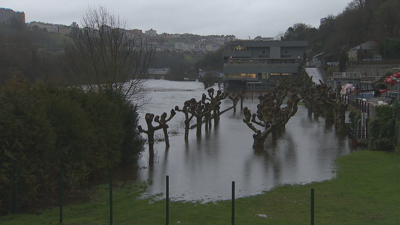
x: 257, y: 65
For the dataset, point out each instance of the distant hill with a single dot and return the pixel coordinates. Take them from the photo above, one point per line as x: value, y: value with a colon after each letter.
x: 29, y: 53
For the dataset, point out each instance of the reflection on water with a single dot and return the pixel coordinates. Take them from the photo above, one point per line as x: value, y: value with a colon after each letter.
x: 204, y: 168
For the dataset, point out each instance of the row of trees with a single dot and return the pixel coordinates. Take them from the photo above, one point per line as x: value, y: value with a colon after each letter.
x: 271, y: 115
x: 204, y: 110
x: 322, y: 100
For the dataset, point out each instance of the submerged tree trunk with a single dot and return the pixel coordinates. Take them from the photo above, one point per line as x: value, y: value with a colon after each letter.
x: 187, y: 126
x: 341, y: 118
x: 150, y: 138
x: 199, y: 124
x: 259, y: 141
x: 166, y: 137
x: 329, y: 114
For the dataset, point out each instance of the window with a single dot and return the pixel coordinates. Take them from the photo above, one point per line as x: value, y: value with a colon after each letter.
x: 252, y: 75
x: 233, y: 75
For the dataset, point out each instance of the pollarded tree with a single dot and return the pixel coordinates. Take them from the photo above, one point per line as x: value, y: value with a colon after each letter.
x: 150, y: 133
x: 186, y: 110
x: 340, y: 111
x: 270, y: 115
x: 235, y: 97
x: 200, y: 109
x: 318, y: 101
x: 216, y: 102
x: 163, y: 123
x: 104, y: 55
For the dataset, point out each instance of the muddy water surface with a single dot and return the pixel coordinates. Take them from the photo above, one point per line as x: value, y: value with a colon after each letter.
x: 203, y: 168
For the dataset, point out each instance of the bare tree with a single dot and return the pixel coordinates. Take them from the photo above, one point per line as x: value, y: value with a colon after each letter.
x: 103, y: 54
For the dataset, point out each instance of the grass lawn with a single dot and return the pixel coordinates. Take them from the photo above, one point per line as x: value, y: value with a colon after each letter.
x: 365, y: 191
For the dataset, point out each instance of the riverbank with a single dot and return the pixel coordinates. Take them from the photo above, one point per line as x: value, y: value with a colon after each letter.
x: 365, y: 191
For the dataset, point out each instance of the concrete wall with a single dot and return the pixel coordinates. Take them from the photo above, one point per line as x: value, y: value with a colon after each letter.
x: 369, y: 70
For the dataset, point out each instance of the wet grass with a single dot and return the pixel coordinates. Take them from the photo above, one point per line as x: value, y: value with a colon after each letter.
x: 365, y: 191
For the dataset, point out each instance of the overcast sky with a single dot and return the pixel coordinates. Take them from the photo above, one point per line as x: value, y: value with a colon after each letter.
x: 244, y: 18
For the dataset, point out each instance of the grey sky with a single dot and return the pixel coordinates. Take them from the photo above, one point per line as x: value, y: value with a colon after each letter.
x: 252, y: 18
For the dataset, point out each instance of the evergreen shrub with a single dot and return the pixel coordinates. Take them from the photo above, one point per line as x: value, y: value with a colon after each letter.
x: 382, y: 129
x: 48, y: 126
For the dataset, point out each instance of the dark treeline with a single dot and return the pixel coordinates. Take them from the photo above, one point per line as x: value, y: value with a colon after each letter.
x: 360, y: 21
x: 29, y: 53
x: 212, y: 61
x: 186, y: 65
x: 181, y: 64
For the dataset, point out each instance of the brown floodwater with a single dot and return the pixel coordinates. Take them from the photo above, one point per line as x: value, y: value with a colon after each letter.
x: 203, y: 168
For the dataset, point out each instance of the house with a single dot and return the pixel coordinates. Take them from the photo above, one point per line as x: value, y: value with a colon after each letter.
x: 367, y: 51
x: 257, y: 65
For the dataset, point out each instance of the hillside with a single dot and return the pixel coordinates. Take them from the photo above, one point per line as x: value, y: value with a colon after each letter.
x: 29, y: 53
x: 360, y: 21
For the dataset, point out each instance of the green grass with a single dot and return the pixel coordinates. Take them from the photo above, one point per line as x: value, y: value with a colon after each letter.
x: 365, y: 191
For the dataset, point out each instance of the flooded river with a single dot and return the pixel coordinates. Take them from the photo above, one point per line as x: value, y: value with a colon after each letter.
x: 203, y: 168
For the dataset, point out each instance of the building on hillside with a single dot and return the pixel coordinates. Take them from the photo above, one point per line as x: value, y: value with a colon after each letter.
x: 259, y: 38
x: 7, y: 14
x: 217, y: 74
x: 322, y: 21
x: 174, y: 36
x: 164, y: 35
x: 229, y: 38
x: 317, y: 60
x: 136, y: 32
x: 181, y: 46
x: 151, y: 33
x: 212, y: 47
x: 46, y: 27
x: 157, y: 73
x: 367, y: 51
x: 65, y: 30
x: 257, y: 65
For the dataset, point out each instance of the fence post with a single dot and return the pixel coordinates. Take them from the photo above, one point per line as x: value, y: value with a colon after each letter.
x: 111, y: 187
x: 312, y: 206
x: 233, y: 202
x: 15, y: 187
x: 14, y: 184
x: 61, y: 194
x: 167, y: 198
